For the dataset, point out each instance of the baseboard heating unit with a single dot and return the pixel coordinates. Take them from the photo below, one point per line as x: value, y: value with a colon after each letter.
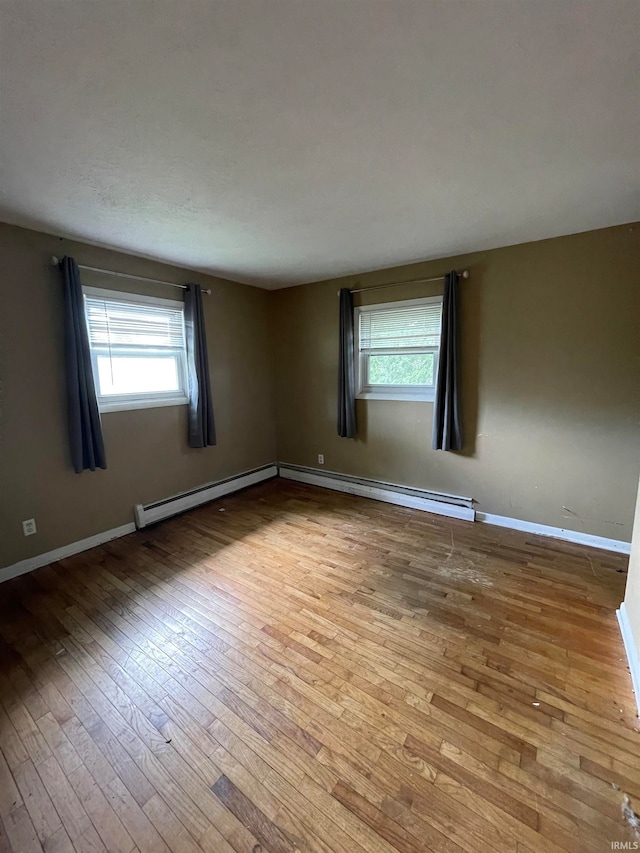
x: 150, y: 513
x: 454, y: 506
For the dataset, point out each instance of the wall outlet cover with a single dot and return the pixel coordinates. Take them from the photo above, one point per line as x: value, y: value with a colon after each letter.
x: 320, y: 458
x: 29, y: 527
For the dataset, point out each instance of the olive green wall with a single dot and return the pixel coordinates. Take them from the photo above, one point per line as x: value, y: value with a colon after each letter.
x: 147, y: 453
x: 550, y: 367
x: 550, y: 361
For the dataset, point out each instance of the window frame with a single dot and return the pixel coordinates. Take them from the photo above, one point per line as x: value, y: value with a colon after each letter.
x: 149, y: 399
x: 409, y: 393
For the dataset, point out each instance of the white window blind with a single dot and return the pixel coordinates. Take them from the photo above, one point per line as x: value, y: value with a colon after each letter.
x: 408, y: 327
x: 397, y: 348
x: 138, y: 350
x: 133, y: 324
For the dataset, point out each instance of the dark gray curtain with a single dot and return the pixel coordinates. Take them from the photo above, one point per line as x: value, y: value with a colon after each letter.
x: 346, y: 373
x: 447, y: 426
x: 85, y: 428
x: 202, y: 430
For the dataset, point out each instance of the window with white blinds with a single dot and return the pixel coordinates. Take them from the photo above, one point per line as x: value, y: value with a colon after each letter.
x: 138, y: 349
x: 397, y: 346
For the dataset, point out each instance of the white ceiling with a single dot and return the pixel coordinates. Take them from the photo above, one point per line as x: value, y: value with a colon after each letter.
x: 284, y: 141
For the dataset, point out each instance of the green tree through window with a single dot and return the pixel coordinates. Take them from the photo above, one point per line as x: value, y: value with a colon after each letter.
x: 402, y: 369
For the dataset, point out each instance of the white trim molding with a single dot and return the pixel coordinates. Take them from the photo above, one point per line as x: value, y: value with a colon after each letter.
x: 439, y: 503
x: 97, y: 302
x: 453, y: 506
x: 418, y: 393
x: 141, y: 403
x: 32, y: 563
x: 150, y: 513
x: 147, y: 515
x: 575, y: 536
x: 633, y: 657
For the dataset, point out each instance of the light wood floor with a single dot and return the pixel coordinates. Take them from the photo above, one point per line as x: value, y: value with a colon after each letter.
x: 309, y: 671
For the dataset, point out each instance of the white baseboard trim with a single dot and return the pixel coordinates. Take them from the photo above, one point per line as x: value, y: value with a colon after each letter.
x: 633, y: 656
x: 160, y: 510
x: 387, y: 492
x: 152, y: 513
x: 32, y: 563
x: 574, y: 536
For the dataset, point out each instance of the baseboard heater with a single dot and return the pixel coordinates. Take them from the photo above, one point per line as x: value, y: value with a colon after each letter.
x: 440, y: 503
x: 150, y: 513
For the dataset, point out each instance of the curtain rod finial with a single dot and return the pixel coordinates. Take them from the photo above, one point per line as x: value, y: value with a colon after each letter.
x: 465, y: 273
x: 54, y: 261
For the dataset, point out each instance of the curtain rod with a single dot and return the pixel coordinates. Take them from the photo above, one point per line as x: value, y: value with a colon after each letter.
x: 55, y: 261
x: 463, y: 274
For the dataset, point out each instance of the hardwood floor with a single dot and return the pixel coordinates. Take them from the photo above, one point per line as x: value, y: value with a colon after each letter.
x: 309, y: 671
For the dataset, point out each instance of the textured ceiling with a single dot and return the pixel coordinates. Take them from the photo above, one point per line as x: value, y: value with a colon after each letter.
x: 283, y: 141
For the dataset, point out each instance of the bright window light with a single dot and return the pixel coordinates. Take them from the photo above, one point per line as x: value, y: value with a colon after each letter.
x: 396, y: 349
x: 135, y: 375
x: 138, y: 349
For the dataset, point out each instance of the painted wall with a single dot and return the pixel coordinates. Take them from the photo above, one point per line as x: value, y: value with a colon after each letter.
x: 147, y: 453
x: 632, y: 592
x: 550, y: 365
x: 550, y: 362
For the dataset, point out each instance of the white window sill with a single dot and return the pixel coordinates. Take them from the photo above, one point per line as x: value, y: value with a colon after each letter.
x: 389, y: 395
x: 150, y: 403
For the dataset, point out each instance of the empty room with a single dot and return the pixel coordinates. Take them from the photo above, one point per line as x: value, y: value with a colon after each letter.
x: 319, y: 426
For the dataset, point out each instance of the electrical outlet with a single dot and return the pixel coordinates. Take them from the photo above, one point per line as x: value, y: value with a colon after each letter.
x: 29, y: 527
x: 320, y: 458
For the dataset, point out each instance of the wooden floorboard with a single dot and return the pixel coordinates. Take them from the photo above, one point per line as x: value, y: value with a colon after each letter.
x: 293, y: 669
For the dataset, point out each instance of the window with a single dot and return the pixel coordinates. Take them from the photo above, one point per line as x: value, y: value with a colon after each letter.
x: 137, y: 350
x: 396, y: 349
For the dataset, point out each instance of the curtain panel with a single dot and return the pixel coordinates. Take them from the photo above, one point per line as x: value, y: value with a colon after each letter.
x: 447, y: 424
x: 85, y: 428
x: 346, y: 373
x: 202, y: 430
